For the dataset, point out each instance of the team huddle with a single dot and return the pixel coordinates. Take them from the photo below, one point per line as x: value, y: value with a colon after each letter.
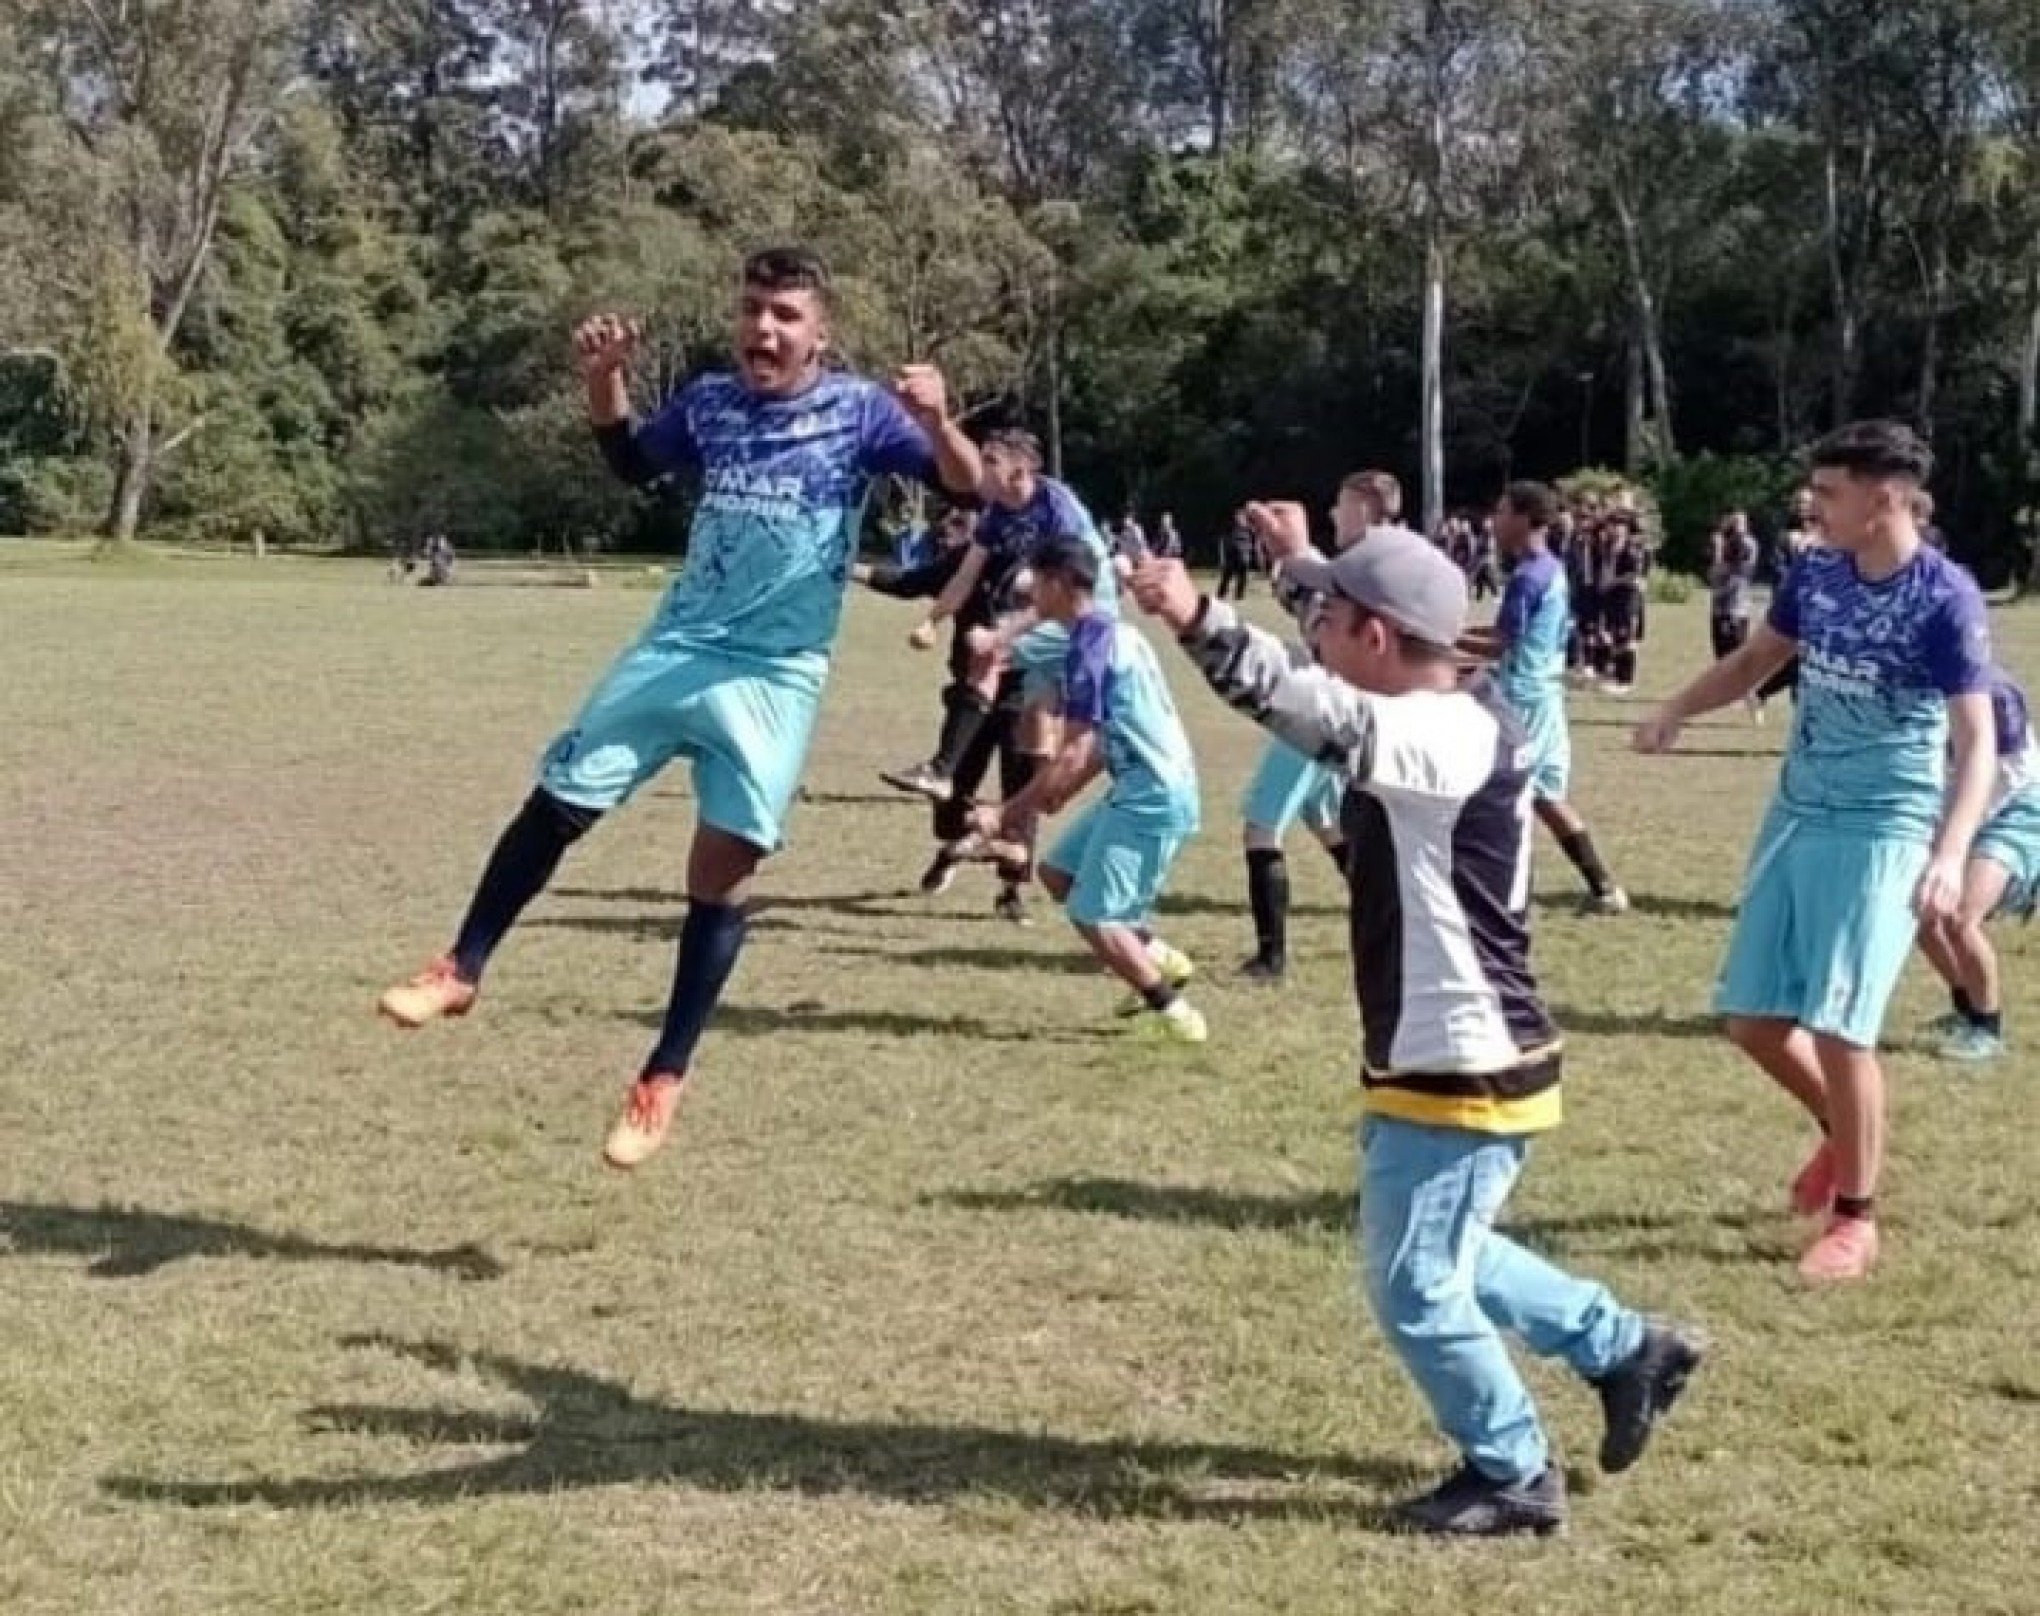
x: 1414, y: 746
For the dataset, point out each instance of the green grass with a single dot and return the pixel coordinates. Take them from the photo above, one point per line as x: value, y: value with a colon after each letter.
x: 947, y: 1301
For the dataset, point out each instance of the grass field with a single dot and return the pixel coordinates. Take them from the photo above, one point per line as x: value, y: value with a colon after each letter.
x: 947, y: 1301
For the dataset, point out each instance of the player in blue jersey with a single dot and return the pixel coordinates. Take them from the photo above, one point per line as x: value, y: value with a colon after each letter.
x: 1023, y: 508
x: 1868, y: 832
x: 1528, y: 646
x: 2003, y: 879
x: 1287, y: 786
x: 1119, y: 719
x: 729, y: 671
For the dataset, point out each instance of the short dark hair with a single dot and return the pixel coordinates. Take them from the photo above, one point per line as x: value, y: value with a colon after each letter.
x: 1534, y: 502
x: 1016, y: 440
x: 788, y: 269
x: 1875, y: 449
x: 1068, y: 557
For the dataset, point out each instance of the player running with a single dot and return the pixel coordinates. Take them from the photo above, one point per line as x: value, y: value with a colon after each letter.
x: 730, y: 670
x: 2002, y: 879
x: 1462, y: 1060
x: 1527, y: 644
x: 1108, y: 868
x: 1867, y: 833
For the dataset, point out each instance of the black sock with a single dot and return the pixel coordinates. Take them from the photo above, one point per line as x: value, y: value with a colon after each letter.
x: 1160, y: 996
x: 964, y: 713
x: 1964, y: 1006
x: 1990, y: 1021
x: 1624, y: 662
x: 709, y: 944
x: 1579, y: 847
x: 1855, y: 1206
x: 1268, y: 897
x: 526, y: 854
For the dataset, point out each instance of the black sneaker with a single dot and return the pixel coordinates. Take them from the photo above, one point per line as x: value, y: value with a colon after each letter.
x: 1010, y: 905
x: 1642, y: 1391
x: 940, y: 875
x: 1264, y: 968
x: 1469, y: 1504
x: 923, y: 780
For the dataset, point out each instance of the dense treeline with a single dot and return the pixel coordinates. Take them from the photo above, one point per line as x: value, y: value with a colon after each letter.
x: 303, y: 268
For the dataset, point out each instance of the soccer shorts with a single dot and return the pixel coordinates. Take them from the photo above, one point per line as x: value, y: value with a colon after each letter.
x: 1287, y: 787
x: 743, y: 722
x: 1117, y: 864
x: 1824, y: 929
x: 2011, y: 840
x: 1550, y: 743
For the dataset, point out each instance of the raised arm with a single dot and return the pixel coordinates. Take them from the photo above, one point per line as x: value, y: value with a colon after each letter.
x: 604, y: 347
x: 925, y: 395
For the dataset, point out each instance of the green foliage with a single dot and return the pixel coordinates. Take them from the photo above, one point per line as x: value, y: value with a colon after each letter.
x: 1694, y: 494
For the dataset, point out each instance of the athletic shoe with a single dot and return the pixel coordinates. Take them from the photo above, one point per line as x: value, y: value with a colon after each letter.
x: 1813, y: 1187
x: 1947, y: 1026
x: 646, y: 1119
x: 1610, y: 687
x: 1846, y: 1250
x: 1269, y: 968
x: 922, y: 779
x: 1469, y: 1504
x: 436, y: 991
x: 1612, y: 902
x: 1181, y: 1023
x: 1972, y: 1045
x: 1011, y: 905
x: 940, y: 875
x: 1641, y: 1391
x: 1176, y: 967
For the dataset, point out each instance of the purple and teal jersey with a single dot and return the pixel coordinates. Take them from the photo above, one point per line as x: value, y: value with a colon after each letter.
x: 783, y: 483
x: 2014, y: 726
x: 1878, y: 662
x: 1112, y: 682
x: 1010, y: 538
x: 1535, y: 621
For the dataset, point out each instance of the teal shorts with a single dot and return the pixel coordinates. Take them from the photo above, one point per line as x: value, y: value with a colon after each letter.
x: 1550, y: 740
x: 1824, y: 929
x: 744, y: 723
x: 1287, y: 787
x: 2011, y: 840
x: 1117, y: 864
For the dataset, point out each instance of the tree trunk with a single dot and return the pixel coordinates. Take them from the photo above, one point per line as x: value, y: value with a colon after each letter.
x: 1842, y: 384
x: 131, y: 476
x: 1633, y: 429
x: 1649, y: 335
x: 2029, y: 363
x: 1435, y: 134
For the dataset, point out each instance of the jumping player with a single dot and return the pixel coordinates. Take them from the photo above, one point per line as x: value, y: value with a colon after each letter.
x: 730, y: 670
x: 1866, y: 834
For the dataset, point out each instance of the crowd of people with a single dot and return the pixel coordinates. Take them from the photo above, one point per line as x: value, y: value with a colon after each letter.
x: 1417, y: 746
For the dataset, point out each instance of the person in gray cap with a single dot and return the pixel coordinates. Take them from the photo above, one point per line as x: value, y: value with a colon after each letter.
x: 1462, y: 1060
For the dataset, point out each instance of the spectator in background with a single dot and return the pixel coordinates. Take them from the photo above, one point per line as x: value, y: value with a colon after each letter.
x: 1731, y: 569
x: 1168, y: 541
x: 439, y: 559
x: 1235, y: 560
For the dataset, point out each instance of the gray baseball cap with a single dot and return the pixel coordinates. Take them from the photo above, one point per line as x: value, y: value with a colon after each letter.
x: 1397, y: 575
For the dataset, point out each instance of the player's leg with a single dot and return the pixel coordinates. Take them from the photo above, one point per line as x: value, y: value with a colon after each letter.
x: 1017, y: 767
x: 1974, y: 962
x: 1428, y: 1201
x: 951, y: 816
x: 1855, y: 937
x: 1117, y: 868
x: 749, y: 740
x: 625, y: 733
x: 1576, y: 841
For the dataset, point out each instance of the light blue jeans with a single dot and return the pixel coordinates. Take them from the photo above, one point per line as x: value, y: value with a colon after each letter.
x: 1444, y: 1285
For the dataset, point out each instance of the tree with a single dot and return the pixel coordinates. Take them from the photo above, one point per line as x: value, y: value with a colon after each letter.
x: 163, y: 100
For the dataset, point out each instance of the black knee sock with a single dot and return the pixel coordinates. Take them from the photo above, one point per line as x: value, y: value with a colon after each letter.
x: 1268, y: 897
x: 964, y: 713
x: 1624, y: 664
x: 526, y: 855
x: 710, y: 941
x: 1579, y: 847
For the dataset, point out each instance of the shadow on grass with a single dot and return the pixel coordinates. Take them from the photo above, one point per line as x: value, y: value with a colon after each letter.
x: 1196, y: 903
x: 586, y: 1431
x: 1065, y: 961
x: 128, y: 1242
x: 1162, y: 1203
x: 766, y: 1021
x: 1652, y: 905
x: 1635, y: 1235
x: 1573, y: 1019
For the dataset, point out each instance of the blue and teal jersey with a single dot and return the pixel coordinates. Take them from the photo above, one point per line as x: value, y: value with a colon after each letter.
x: 1009, y: 538
x: 783, y: 482
x: 2010, y: 718
x: 1878, y: 661
x: 1112, y: 682
x: 1535, y: 621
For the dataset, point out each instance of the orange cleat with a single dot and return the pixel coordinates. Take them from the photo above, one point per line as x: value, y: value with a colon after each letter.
x: 647, y: 1118
x: 1846, y: 1250
x: 436, y: 991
